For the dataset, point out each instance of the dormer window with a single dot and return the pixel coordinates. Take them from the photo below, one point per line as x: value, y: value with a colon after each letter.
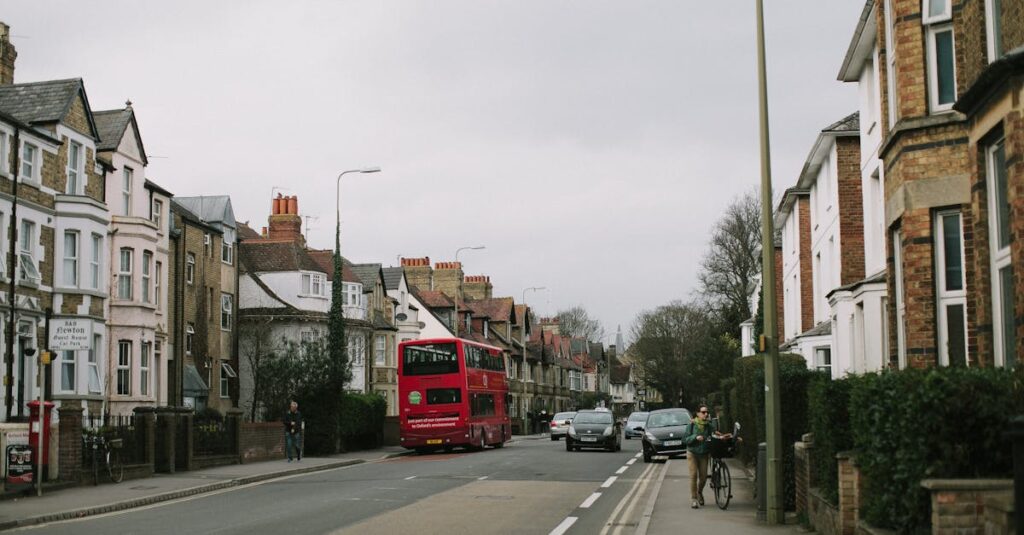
x: 30, y: 162
x: 126, y: 190
x: 352, y: 294
x: 313, y: 284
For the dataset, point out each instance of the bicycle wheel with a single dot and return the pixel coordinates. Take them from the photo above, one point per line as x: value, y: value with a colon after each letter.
x: 114, y: 466
x: 723, y: 490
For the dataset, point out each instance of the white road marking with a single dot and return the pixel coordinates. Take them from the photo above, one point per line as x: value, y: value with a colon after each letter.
x: 481, y: 478
x: 631, y: 461
x: 608, y: 482
x: 410, y: 477
x: 590, y: 501
x: 645, y: 518
x: 564, y: 526
x: 634, y: 492
x: 621, y: 470
x: 637, y: 456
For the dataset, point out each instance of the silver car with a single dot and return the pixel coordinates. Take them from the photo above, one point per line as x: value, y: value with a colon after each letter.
x: 560, y: 424
x: 635, y: 425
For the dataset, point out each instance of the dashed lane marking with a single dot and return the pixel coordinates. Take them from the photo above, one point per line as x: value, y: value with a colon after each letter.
x: 637, y: 456
x: 590, y: 500
x: 410, y: 477
x: 564, y: 526
x: 608, y: 482
x: 621, y: 470
x: 631, y: 461
x: 481, y: 478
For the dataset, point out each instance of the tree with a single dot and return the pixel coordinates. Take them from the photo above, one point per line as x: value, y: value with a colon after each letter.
x: 338, y: 370
x: 576, y: 322
x: 732, y: 264
x: 257, y: 347
x: 682, y: 352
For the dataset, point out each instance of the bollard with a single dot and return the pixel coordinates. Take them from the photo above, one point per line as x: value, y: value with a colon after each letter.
x: 1017, y: 435
x: 762, y: 482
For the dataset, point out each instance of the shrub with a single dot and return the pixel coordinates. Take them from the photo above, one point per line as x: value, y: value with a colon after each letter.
x: 361, y: 420
x: 749, y: 401
x: 918, y: 424
x: 829, y: 419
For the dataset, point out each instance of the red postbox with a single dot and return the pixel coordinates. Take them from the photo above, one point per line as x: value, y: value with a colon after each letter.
x: 33, y: 431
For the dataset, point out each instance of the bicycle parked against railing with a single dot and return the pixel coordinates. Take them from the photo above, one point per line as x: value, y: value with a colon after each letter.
x: 109, y: 450
x: 722, y: 447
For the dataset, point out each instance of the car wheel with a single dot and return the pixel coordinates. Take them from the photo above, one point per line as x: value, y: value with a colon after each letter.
x: 647, y: 455
x: 554, y: 438
x: 568, y: 445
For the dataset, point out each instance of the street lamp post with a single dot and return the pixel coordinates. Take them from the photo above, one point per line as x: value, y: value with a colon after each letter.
x: 769, y: 341
x: 336, y: 317
x: 522, y: 341
x: 456, y: 297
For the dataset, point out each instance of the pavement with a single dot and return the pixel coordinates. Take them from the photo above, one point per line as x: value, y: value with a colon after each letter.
x: 664, y: 508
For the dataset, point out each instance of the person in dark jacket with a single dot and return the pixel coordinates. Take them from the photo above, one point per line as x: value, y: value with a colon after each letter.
x: 293, y: 431
x: 698, y: 445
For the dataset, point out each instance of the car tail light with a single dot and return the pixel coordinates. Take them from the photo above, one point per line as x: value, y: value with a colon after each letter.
x: 553, y: 424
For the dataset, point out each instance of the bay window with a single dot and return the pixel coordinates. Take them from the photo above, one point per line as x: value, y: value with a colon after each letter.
x: 950, y: 288
x: 124, y: 274
x: 70, y: 258
x: 147, y: 274
x: 124, y: 368
x: 940, y: 48
x: 1003, y: 311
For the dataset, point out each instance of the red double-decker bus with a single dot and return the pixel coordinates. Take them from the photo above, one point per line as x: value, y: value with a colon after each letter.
x: 452, y: 392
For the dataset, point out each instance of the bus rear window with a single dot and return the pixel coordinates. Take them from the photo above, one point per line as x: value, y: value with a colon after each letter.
x: 440, y: 396
x: 430, y: 360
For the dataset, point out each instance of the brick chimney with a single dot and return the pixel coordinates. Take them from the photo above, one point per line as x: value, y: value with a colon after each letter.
x: 7, y: 55
x: 448, y: 278
x: 477, y: 287
x: 418, y: 272
x: 284, y: 222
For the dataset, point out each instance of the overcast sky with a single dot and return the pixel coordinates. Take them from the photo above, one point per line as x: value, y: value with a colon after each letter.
x: 589, y: 145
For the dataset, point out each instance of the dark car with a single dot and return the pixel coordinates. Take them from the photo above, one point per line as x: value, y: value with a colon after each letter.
x: 594, y: 429
x: 664, y: 433
x: 635, y: 425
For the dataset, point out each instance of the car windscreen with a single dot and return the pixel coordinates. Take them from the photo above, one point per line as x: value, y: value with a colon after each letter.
x: 638, y: 417
x: 563, y: 416
x: 667, y: 419
x: 430, y: 360
x: 593, y: 418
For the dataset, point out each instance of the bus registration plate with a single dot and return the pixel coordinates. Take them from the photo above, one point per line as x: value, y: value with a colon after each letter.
x: 434, y: 441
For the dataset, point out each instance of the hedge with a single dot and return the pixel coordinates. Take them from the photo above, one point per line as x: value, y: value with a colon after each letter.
x: 748, y: 404
x: 918, y: 424
x: 829, y: 419
x: 351, y: 421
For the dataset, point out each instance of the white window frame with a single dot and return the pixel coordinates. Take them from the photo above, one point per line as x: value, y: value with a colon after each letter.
x: 127, y: 176
x: 124, y: 368
x: 946, y: 298
x: 1000, y: 255
x: 94, y: 261
x: 27, y: 243
x: 124, y: 274
x: 95, y: 386
x: 68, y: 372
x: 5, y: 156
x: 226, y: 311
x: 890, y: 62
x: 933, y: 69
x: 226, y: 374
x: 31, y: 162
x: 147, y: 276
x: 926, y: 9
x: 190, y: 267
x: 71, y: 255
x: 380, y: 347
x: 818, y: 365
x: 994, y: 29
x: 901, y: 303
x: 74, y: 169
x: 226, y: 252
x: 145, y: 361
x: 158, y: 275
x: 158, y: 214
x: 190, y: 333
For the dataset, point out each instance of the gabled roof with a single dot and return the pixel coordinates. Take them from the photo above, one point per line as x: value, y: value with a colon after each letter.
x: 263, y: 257
x: 433, y: 298
x: 861, y: 44
x: 325, y: 259
x: 847, y: 126
x: 369, y: 274
x: 850, y: 123
x: 620, y: 373
x: 111, y: 125
x: 393, y: 277
x: 212, y: 208
x: 497, y: 309
x: 149, y: 184
x: 45, y: 102
x: 192, y: 217
x: 245, y: 232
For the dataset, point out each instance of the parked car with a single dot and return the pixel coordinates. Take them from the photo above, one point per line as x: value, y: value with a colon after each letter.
x: 635, y: 424
x: 594, y: 429
x: 664, y: 432
x: 560, y: 424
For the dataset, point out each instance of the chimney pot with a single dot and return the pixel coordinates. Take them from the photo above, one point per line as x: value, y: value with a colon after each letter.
x: 293, y: 205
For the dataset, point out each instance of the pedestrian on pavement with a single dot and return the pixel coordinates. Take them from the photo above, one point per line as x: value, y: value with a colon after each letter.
x: 293, y: 431
x: 698, y: 446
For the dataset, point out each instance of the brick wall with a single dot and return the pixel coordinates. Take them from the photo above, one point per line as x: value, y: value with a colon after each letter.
x: 802, y: 471
x: 418, y: 272
x: 70, y: 442
x: 806, y: 266
x: 849, y: 494
x: 448, y: 278
x: 999, y: 515
x: 851, y: 210
x: 261, y: 441
x: 958, y: 505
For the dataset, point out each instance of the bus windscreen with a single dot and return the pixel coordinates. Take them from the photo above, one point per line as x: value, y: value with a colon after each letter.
x: 430, y: 360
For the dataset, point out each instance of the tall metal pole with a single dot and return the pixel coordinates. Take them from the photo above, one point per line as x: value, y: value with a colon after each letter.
x: 773, y: 414
x: 12, y: 273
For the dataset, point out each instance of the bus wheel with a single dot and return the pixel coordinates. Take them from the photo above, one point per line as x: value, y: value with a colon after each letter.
x: 483, y: 443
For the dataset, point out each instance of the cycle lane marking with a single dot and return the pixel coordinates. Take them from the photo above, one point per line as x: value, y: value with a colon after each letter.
x: 590, y: 500
x: 608, y: 482
x: 621, y: 470
x: 631, y: 495
x: 564, y: 526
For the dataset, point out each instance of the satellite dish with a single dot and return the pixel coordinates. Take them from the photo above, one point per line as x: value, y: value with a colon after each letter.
x: 401, y: 316
x: 422, y: 325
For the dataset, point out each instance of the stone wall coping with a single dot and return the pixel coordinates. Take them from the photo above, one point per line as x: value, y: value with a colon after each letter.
x: 70, y: 409
x: 1002, y: 502
x: 847, y: 455
x: 864, y: 527
x: 967, y: 484
x: 815, y: 492
x: 807, y: 438
x: 803, y: 445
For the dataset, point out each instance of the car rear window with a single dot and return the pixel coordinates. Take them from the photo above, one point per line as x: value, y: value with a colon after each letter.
x: 563, y: 416
x: 593, y: 418
x: 638, y: 417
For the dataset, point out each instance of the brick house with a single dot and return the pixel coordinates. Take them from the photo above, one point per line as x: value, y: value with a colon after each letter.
x: 382, y: 361
x: 139, y: 311
x: 48, y: 139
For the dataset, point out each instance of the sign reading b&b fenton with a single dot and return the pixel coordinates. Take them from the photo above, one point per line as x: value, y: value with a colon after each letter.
x: 70, y: 334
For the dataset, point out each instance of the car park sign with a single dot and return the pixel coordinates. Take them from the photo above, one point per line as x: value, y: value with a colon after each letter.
x: 70, y: 334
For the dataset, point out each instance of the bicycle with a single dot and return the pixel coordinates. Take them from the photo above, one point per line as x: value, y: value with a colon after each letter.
x: 111, y: 451
x: 720, y: 478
